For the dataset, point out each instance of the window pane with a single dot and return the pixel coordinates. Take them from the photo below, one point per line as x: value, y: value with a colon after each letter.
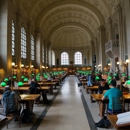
x: 78, y: 58
x: 32, y: 48
x: 64, y: 58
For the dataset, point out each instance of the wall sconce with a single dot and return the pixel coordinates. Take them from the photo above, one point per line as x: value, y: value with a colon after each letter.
x: 117, y: 62
x: 46, y: 67
x: 13, y: 64
x: 43, y: 67
x: 127, y: 60
x: 32, y: 66
x: 22, y: 65
x: 99, y: 65
x: 109, y: 63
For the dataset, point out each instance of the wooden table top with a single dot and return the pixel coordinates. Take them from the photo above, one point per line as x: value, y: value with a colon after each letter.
x: 27, y: 97
x: 92, y: 87
x: 98, y: 97
x: 113, y: 119
x: 25, y: 88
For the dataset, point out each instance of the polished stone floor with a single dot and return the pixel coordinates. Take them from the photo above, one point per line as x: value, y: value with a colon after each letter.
x: 71, y: 110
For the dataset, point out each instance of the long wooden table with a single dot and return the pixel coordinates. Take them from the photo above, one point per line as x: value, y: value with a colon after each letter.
x: 113, y: 119
x: 98, y: 98
x: 5, y: 122
x: 28, y: 99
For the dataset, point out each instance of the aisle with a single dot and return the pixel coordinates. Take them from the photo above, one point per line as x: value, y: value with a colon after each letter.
x: 67, y: 111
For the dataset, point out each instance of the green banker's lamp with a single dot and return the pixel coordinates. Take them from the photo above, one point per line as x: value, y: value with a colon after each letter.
x: 6, y: 79
x: 128, y: 82
x: 25, y: 80
x: 97, y: 78
x: 14, y: 77
x: 3, y: 84
x: 20, y: 84
x: 22, y: 77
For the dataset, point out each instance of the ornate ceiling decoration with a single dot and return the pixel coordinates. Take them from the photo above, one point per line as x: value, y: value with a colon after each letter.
x: 68, y: 23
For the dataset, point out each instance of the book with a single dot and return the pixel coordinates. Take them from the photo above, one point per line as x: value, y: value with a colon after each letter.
x: 123, y: 118
x: 2, y: 118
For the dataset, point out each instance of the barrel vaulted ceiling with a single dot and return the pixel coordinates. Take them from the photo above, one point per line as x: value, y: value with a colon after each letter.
x: 68, y: 23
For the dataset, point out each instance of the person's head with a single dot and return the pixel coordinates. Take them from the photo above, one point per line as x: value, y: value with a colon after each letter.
x: 7, y: 88
x: 33, y: 79
x: 113, y: 83
x: 102, y: 83
x: 125, y: 78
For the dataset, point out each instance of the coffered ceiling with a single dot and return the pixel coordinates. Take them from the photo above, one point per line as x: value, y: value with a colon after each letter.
x: 68, y: 23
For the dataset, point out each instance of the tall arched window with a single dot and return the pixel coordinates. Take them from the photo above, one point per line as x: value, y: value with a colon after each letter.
x: 64, y: 58
x: 42, y: 53
x: 32, y: 48
x: 78, y: 58
x: 46, y: 56
x: 13, y: 39
x: 53, y: 57
x: 23, y: 44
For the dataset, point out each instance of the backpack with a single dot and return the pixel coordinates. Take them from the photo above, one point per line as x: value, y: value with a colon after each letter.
x: 103, y: 123
x: 26, y: 116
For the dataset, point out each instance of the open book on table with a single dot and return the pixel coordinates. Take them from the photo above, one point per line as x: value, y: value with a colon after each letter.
x: 2, y: 118
x: 123, y: 119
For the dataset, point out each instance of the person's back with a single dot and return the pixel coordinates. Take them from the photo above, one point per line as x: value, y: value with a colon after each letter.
x: 12, y: 104
x: 102, y: 87
x: 113, y: 93
x: 89, y: 78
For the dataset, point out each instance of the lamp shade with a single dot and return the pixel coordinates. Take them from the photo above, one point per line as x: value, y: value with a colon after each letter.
x: 6, y: 79
x: 109, y: 81
x: 22, y: 77
x: 14, y: 77
x: 3, y: 84
x: 25, y: 79
x: 97, y: 78
x: 109, y: 77
x: 115, y: 74
x: 123, y: 74
x: 20, y: 83
x: 128, y: 82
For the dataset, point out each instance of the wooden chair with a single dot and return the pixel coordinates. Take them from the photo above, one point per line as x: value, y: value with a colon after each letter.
x: 12, y: 108
x: 116, y: 102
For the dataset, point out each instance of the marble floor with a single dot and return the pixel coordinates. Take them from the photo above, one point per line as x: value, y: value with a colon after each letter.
x: 71, y: 110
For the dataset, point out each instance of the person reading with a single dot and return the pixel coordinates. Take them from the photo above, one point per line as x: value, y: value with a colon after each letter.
x: 113, y: 92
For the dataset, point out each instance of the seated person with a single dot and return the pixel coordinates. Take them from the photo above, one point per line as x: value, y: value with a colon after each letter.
x: 113, y: 92
x: 35, y: 89
x: 102, y: 87
x: 126, y: 85
x: 10, y: 94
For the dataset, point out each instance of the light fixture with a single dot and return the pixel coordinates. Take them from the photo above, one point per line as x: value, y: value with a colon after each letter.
x: 13, y: 64
x: 127, y: 60
x: 95, y: 66
x: 22, y: 65
x: 43, y: 67
x: 117, y: 63
x: 46, y: 67
x: 99, y: 65
x: 32, y: 66
x: 109, y: 63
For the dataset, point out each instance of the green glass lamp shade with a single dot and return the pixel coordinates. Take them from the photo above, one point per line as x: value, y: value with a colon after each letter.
x: 109, y: 77
x: 38, y: 74
x: 128, y: 82
x: 128, y: 77
x: 109, y: 81
x: 22, y: 77
x: 6, y: 79
x: 20, y: 83
x: 115, y: 74
x: 97, y: 78
x: 32, y: 74
x: 106, y: 72
x: 123, y: 74
x: 25, y: 79
x: 14, y: 77
x: 3, y: 84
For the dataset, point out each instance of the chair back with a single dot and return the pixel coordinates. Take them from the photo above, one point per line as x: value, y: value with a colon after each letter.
x: 117, y: 105
x: 10, y: 105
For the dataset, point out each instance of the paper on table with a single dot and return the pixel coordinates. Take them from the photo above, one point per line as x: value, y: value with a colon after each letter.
x: 123, y: 118
x: 2, y: 117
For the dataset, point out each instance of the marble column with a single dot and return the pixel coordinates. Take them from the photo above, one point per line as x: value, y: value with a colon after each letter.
x: 102, y: 54
x: 38, y: 50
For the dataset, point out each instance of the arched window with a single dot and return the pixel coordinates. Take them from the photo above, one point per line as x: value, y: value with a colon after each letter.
x: 78, y: 58
x: 13, y: 39
x: 53, y: 57
x: 32, y: 48
x: 42, y: 53
x: 64, y: 58
x: 46, y: 56
x: 23, y: 44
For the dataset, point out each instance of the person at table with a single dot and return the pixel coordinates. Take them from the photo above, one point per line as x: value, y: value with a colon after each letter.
x: 35, y: 89
x: 10, y: 94
x: 126, y: 85
x: 113, y: 92
x: 10, y: 82
x: 103, y: 86
x: 90, y: 80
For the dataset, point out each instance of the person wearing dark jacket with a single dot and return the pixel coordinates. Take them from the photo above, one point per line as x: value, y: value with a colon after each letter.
x: 35, y: 89
x: 102, y: 87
